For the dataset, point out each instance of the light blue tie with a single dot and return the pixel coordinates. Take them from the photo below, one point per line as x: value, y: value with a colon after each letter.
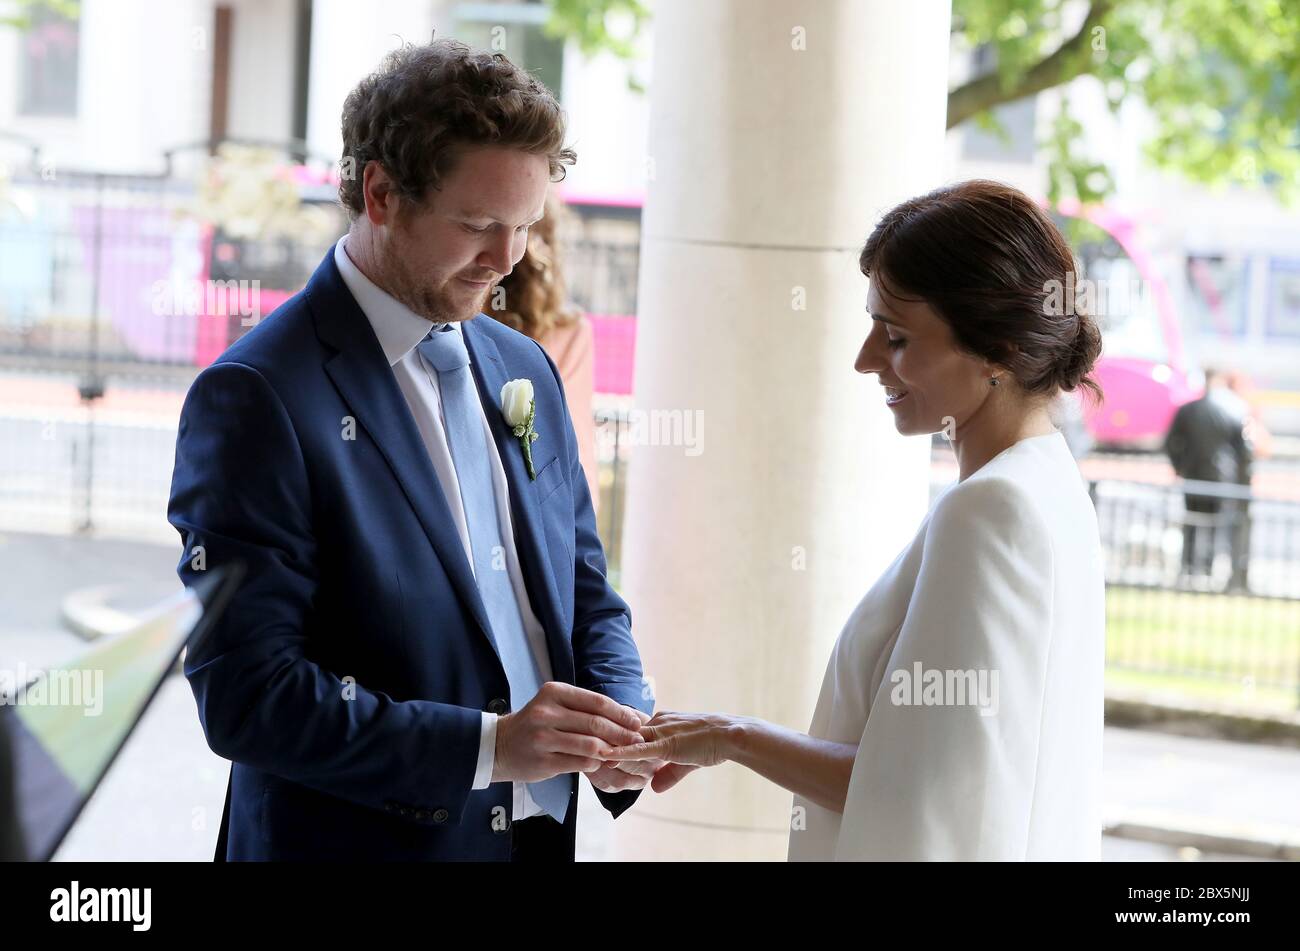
x: 445, y: 350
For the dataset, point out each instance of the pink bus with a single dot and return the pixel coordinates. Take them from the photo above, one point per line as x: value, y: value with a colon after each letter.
x: 1142, y: 369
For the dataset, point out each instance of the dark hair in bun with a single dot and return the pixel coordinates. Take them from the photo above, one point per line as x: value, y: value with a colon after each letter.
x: 994, y: 266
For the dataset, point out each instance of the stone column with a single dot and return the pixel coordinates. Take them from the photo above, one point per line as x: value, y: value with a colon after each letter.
x: 779, y: 132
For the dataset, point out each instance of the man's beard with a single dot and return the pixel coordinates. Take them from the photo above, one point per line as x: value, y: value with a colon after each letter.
x: 433, y: 303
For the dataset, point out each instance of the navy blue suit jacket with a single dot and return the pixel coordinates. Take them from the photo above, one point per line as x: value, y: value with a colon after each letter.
x: 347, y: 678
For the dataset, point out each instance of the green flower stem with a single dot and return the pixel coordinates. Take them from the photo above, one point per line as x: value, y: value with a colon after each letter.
x: 526, y: 439
x: 528, y: 454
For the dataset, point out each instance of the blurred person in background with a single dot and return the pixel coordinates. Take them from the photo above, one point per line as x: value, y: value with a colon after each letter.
x: 1261, y: 440
x: 534, y: 301
x: 1261, y: 444
x: 1208, y: 442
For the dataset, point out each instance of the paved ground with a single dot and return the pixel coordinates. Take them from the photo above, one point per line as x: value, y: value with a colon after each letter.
x: 1251, y: 785
x: 163, y: 798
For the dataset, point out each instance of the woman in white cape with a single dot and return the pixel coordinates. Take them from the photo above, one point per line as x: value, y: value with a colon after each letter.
x: 960, y: 717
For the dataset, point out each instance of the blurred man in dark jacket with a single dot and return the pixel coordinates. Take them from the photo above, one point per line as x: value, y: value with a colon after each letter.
x: 1208, y: 442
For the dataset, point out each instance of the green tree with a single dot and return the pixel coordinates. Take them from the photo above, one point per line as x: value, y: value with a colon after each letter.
x: 1221, y: 78
x: 588, y: 23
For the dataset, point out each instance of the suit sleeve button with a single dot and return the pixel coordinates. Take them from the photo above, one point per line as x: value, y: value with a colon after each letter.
x: 498, y: 707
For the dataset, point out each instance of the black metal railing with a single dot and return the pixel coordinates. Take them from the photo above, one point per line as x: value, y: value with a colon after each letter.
x: 107, y: 289
x: 1203, y: 584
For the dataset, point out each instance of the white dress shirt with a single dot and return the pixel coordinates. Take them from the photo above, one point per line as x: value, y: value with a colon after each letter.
x: 1005, y: 574
x: 399, y: 330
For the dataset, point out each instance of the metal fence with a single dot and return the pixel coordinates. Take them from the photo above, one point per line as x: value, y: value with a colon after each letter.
x: 107, y: 313
x: 1203, y: 589
x: 115, y: 292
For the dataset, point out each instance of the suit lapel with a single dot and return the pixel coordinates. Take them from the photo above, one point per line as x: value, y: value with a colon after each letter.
x: 491, y: 375
x: 368, y: 386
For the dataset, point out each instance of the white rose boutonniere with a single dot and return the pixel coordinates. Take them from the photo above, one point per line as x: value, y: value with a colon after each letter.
x: 519, y: 409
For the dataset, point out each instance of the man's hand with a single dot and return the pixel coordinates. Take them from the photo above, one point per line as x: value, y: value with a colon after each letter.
x: 564, y: 729
x: 677, y: 744
x: 628, y: 774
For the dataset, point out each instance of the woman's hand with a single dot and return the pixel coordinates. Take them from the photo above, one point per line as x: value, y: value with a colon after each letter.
x: 685, y: 742
x: 819, y: 770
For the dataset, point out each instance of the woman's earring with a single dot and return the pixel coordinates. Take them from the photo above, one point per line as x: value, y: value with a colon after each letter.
x: 993, y: 381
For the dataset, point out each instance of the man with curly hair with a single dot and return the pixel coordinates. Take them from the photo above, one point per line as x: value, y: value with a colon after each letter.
x: 427, y: 649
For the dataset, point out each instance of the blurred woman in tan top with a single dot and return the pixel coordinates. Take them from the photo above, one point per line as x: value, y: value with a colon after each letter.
x: 536, y: 304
